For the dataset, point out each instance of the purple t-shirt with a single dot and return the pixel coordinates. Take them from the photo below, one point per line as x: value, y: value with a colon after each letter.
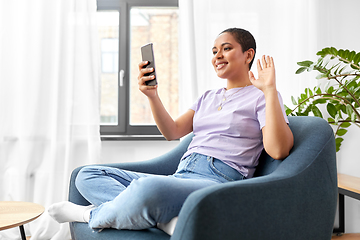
x: 232, y: 134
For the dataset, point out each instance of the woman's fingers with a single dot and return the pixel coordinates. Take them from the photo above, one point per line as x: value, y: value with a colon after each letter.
x: 263, y: 61
x: 258, y: 65
x: 266, y: 61
x: 272, y: 62
x: 142, y: 77
x: 142, y: 64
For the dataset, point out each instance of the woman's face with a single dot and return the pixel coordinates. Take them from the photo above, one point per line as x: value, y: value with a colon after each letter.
x: 229, y: 61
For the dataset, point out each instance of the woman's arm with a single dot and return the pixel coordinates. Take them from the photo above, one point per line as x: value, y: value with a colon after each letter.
x: 277, y: 136
x: 168, y: 127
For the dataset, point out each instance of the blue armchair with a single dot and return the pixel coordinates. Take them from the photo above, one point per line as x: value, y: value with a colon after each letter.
x: 290, y: 199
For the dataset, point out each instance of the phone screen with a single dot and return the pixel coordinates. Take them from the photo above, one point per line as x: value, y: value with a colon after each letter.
x: 148, y: 55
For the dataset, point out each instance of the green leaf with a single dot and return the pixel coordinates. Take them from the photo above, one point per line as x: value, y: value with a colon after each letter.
x: 330, y: 90
x: 338, y: 142
x: 311, y: 93
x: 349, y: 109
x: 337, y: 69
x: 319, y: 101
x: 357, y: 58
x: 305, y: 63
x: 351, y: 56
x: 334, y: 51
x: 354, y: 67
x: 338, y: 145
x: 303, y: 96
x: 321, y: 53
x: 300, y: 70
x: 331, y: 109
x: 337, y: 118
x: 346, y: 53
x: 315, y: 110
x: 331, y: 121
x: 345, y: 124
x: 324, y: 52
x: 343, y: 108
x: 353, y: 117
x: 287, y: 110
x: 293, y: 101
x: 341, y: 53
x: 341, y: 132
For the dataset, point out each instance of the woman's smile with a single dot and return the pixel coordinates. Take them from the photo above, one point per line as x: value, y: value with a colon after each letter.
x: 220, y: 65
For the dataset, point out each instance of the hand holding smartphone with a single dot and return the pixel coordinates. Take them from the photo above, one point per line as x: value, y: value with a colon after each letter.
x: 148, y: 55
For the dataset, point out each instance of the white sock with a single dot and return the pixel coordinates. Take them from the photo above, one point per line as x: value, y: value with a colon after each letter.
x: 70, y: 212
x: 168, y: 227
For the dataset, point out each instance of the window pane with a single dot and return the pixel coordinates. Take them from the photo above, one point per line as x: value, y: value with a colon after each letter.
x: 159, y: 26
x: 108, y: 27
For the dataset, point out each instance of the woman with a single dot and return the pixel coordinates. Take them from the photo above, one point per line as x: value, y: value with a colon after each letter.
x: 229, y: 134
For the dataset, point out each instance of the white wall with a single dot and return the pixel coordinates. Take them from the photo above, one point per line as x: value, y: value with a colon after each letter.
x: 128, y: 151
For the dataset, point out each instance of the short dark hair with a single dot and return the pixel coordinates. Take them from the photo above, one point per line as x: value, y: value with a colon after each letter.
x: 244, y: 38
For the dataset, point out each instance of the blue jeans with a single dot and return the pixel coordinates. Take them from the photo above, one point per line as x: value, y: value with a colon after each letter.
x: 132, y: 200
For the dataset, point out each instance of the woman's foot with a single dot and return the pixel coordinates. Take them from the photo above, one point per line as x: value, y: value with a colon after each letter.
x: 70, y: 212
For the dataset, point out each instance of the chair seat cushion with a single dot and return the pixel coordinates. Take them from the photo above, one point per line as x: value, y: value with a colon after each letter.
x: 81, y: 230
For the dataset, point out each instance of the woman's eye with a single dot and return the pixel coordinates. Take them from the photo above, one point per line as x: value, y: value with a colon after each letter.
x: 227, y: 49
x: 214, y: 52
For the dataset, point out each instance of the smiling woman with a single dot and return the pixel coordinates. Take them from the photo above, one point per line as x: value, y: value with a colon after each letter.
x: 226, y: 146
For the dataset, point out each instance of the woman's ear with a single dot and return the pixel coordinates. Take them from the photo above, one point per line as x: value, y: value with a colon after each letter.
x: 250, y: 55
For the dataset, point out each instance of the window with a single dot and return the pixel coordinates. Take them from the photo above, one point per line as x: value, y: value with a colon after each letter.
x: 124, y: 26
x: 109, y: 55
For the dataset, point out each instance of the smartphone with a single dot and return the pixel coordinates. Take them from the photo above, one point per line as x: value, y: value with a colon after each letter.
x: 148, y: 55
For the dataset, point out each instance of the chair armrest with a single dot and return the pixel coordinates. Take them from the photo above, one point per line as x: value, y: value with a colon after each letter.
x: 262, y: 210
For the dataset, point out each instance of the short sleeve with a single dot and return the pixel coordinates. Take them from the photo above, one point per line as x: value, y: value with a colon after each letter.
x: 197, y: 103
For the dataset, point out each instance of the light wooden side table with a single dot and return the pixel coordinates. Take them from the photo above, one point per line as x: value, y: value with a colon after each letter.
x: 347, y: 186
x: 16, y: 214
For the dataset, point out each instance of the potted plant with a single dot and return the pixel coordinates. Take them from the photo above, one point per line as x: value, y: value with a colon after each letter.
x: 339, y: 93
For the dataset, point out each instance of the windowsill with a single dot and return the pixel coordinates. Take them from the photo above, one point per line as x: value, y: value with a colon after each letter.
x: 132, y: 138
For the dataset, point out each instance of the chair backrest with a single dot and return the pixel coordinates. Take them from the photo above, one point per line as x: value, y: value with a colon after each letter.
x: 266, y: 165
x: 308, y: 132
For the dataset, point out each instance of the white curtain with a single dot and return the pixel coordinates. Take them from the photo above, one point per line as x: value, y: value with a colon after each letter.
x: 49, y: 108
x: 287, y: 30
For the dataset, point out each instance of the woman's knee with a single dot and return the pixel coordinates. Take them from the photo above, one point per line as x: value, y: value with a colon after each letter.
x: 155, y: 198
x: 84, y: 175
x: 150, y: 190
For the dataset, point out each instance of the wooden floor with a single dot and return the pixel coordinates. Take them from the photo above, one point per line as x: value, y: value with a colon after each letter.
x: 348, y: 236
